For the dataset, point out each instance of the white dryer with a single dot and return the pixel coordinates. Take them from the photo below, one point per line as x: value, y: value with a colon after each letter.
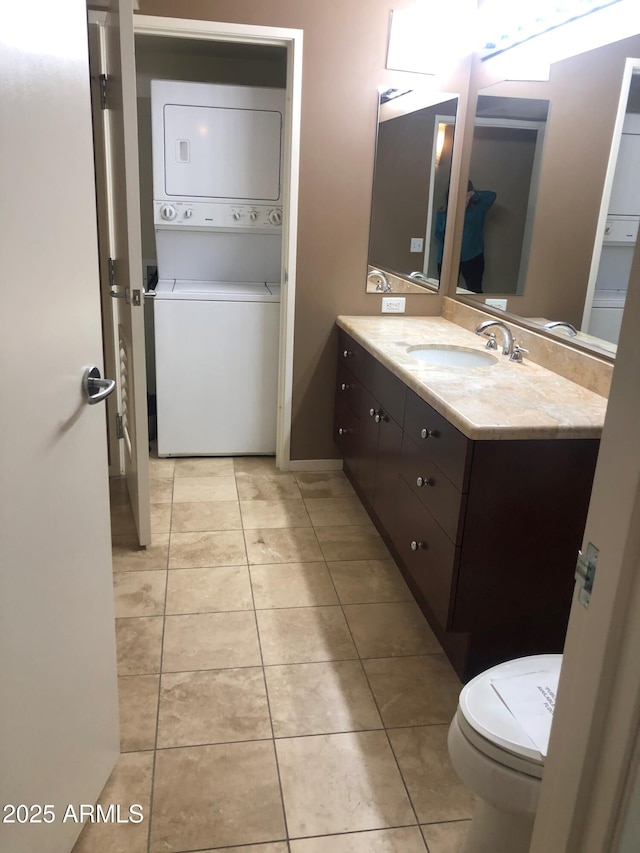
x: 217, y: 175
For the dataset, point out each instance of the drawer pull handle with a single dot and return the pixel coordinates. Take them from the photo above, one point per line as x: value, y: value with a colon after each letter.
x: 424, y: 481
x: 347, y: 353
x: 342, y: 431
x: 344, y: 387
x: 428, y: 433
x: 418, y: 546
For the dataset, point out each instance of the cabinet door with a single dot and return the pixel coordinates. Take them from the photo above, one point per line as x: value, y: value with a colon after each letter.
x: 427, y: 552
x: 346, y: 434
x: 367, y: 445
x: 387, y: 467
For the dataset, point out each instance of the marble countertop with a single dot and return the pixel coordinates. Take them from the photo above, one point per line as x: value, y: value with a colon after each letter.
x: 507, y: 400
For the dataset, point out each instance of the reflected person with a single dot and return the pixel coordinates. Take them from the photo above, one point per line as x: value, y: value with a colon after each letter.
x: 472, y: 249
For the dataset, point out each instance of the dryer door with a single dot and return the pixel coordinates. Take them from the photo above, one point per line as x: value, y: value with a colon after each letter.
x: 222, y: 152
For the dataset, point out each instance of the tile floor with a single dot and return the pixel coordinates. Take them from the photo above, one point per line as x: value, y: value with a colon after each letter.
x: 280, y: 691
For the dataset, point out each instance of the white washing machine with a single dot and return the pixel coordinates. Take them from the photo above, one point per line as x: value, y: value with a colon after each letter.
x: 217, y: 166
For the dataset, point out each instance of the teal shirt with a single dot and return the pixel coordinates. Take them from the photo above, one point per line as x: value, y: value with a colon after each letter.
x: 473, y: 232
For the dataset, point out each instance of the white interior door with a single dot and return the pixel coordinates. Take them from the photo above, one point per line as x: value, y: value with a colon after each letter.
x: 58, y: 695
x: 126, y: 250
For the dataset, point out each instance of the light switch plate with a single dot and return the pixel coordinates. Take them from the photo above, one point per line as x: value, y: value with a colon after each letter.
x: 417, y: 244
x: 393, y: 304
x: 496, y: 303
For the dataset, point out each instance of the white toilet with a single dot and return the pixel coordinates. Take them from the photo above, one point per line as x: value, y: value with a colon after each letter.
x: 497, y: 760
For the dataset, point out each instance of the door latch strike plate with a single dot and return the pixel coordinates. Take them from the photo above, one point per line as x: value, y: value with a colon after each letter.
x: 586, y: 572
x: 137, y: 297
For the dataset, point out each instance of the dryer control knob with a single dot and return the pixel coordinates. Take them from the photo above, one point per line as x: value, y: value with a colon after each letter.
x: 275, y: 216
x: 236, y: 215
x: 168, y: 212
x: 188, y: 213
x: 253, y: 215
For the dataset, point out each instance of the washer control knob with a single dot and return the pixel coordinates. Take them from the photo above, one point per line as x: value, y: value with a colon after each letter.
x: 253, y: 216
x: 168, y: 212
x: 188, y: 213
x: 275, y: 216
x: 237, y: 215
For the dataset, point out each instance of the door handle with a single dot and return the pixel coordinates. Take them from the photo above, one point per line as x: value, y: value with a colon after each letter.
x: 95, y: 388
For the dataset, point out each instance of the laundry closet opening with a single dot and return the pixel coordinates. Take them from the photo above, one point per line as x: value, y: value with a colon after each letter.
x: 211, y: 123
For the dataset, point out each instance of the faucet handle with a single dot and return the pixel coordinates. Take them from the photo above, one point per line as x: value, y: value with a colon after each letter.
x: 516, y: 355
x: 491, y: 343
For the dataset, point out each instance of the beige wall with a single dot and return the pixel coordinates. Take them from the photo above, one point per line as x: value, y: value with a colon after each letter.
x: 343, y: 64
x: 584, y: 93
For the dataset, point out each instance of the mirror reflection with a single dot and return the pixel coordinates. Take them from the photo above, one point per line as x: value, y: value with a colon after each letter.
x: 588, y: 97
x: 411, y: 179
x: 505, y: 168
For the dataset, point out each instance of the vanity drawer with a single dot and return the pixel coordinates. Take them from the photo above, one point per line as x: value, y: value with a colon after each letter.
x: 346, y: 433
x: 352, y: 355
x: 445, y: 503
x: 348, y: 388
x: 388, y: 390
x: 438, y: 440
x: 432, y: 561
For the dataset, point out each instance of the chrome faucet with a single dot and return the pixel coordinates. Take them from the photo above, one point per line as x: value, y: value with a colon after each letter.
x: 507, y: 337
x: 383, y: 282
x: 560, y: 324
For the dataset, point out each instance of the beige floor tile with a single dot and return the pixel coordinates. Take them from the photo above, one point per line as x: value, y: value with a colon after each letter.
x: 161, y: 469
x: 292, y: 585
x: 216, y: 796
x: 253, y: 487
x: 334, y: 512
x: 273, y: 847
x: 261, y: 466
x: 414, y: 691
x: 390, y: 630
x: 209, y: 590
x: 122, y: 521
x: 205, y: 466
x: 215, y: 706
x: 276, y: 513
x: 129, y: 557
x: 193, y: 489
x: 139, y: 644
x: 139, y: 593
x: 435, y: 790
x: 359, y: 542
x: 282, y: 545
x: 368, y: 581
x: 199, y: 550
x: 160, y: 518
x: 129, y: 783
x: 138, y: 699
x: 341, y: 783
x: 304, y: 635
x: 446, y: 837
x: 324, y: 484
x: 404, y: 840
x: 320, y: 698
x: 210, y: 641
x: 195, y: 516
x: 161, y: 490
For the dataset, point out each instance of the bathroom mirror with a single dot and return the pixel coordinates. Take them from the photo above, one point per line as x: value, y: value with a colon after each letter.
x: 411, y: 177
x: 584, y: 96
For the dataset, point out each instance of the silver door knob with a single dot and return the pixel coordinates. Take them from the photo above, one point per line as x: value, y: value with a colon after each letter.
x: 428, y: 433
x: 423, y: 481
x: 95, y: 388
x: 417, y: 546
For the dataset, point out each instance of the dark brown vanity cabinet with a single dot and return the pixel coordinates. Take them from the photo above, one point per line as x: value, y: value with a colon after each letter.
x: 485, y: 532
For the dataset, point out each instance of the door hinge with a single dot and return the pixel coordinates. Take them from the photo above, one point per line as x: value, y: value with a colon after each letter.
x: 113, y: 278
x: 103, y: 82
x: 119, y: 426
x: 586, y: 573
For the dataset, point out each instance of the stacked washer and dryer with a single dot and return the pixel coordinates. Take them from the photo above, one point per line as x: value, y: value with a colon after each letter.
x: 217, y: 185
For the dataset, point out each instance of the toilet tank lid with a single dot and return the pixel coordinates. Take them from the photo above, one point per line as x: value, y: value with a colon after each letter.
x: 486, y: 713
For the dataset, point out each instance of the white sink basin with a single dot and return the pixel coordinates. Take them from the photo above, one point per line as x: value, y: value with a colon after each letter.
x: 452, y: 356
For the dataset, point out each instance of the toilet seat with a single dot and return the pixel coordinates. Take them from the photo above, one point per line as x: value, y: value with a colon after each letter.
x: 489, y: 726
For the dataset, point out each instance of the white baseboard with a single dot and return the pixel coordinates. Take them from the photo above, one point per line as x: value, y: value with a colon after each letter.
x: 314, y: 465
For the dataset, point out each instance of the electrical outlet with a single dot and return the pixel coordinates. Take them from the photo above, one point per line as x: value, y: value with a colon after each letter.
x: 496, y: 303
x: 417, y: 244
x: 393, y: 304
